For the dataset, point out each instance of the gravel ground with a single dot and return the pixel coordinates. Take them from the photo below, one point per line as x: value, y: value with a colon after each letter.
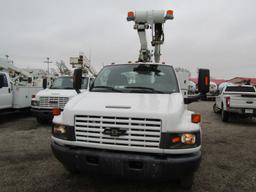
x: 27, y: 163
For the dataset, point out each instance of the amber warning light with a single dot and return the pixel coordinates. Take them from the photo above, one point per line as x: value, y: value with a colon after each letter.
x: 56, y: 111
x: 196, y: 118
x: 131, y: 16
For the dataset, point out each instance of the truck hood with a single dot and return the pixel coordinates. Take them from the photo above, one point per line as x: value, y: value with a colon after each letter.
x: 138, y: 103
x: 56, y: 93
x: 167, y: 107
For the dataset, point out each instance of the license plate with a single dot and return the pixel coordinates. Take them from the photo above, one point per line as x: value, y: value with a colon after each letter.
x: 248, y: 111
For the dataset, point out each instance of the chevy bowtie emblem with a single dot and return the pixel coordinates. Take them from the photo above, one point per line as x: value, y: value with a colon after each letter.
x: 114, y: 132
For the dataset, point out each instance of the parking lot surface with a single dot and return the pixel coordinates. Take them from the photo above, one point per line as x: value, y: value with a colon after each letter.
x: 27, y: 163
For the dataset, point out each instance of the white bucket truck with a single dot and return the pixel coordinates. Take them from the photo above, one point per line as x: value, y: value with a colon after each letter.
x: 133, y: 121
x: 16, y: 87
x: 61, y: 90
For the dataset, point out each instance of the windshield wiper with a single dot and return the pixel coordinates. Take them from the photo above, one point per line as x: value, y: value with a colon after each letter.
x: 145, y: 88
x: 106, y: 87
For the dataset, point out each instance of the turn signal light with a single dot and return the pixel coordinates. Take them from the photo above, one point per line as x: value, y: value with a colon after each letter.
x: 195, y: 118
x: 56, y: 111
x: 206, y: 81
x: 175, y: 139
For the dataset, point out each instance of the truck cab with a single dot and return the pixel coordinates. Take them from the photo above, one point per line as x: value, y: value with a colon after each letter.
x: 57, y: 95
x: 5, y: 91
x: 132, y: 122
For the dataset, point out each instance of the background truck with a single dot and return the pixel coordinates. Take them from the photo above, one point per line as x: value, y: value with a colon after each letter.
x: 133, y: 122
x: 13, y: 97
x: 16, y: 87
x: 236, y: 99
x: 61, y: 89
x: 57, y: 95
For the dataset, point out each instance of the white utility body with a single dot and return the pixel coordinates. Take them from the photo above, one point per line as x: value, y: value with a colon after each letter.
x: 14, y: 95
x: 236, y: 99
x: 133, y: 121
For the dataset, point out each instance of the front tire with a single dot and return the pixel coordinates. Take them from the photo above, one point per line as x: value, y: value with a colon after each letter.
x: 224, y: 115
x: 215, y: 108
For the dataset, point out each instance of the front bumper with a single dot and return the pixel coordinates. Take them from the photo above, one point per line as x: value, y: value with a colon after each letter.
x: 42, y: 113
x: 127, y: 164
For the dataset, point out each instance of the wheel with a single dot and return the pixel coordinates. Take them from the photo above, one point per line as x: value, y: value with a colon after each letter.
x: 224, y: 115
x: 215, y: 108
x: 187, y: 181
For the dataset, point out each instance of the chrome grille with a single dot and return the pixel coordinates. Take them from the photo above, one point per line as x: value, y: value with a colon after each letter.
x: 139, y: 132
x: 49, y: 102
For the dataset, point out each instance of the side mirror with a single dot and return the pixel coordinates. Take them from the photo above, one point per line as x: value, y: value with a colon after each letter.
x: 204, y: 81
x: 1, y: 81
x: 44, y: 83
x: 77, y: 80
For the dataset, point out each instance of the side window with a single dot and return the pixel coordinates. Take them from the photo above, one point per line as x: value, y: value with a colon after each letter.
x: 5, y: 81
x: 104, y: 78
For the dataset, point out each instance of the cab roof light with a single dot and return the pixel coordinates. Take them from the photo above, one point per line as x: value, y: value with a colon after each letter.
x: 56, y: 111
x: 195, y: 118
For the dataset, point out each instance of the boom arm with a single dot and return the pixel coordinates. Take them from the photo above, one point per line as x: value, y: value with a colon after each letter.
x: 153, y: 20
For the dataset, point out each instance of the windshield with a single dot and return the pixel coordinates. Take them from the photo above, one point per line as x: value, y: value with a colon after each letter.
x: 67, y: 83
x: 136, y: 78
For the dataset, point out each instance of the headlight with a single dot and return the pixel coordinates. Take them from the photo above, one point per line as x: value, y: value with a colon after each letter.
x: 188, y: 138
x: 180, y: 140
x: 63, y: 132
x: 35, y: 103
x: 59, y: 129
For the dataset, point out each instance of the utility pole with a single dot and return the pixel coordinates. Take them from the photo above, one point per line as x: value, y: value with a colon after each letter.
x: 48, y: 63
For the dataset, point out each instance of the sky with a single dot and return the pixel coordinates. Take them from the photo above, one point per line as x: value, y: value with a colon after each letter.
x: 217, y: 34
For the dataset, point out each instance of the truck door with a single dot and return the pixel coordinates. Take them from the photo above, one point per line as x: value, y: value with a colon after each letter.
x: 5, y: 93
